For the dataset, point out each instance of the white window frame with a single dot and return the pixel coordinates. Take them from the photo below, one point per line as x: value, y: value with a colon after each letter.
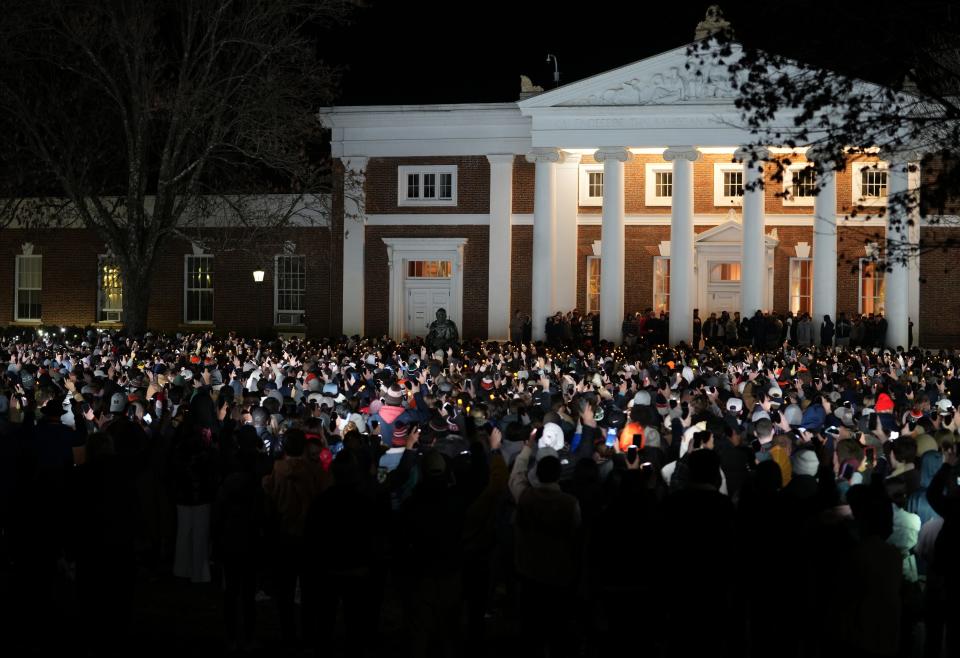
x: 857, y: 187
x: 790, y: 282
x: 103, y: 259
x: 277, y: 311
x: 585, y: 198
x: 877, y: 266
x: 788, y: 198
x: 590, y: 261
x: 650, y: 184
x: 718, y: 170
x: 666, y: 293
x: 404, y: 170
x: 186, y: 289
x: 17, y: 288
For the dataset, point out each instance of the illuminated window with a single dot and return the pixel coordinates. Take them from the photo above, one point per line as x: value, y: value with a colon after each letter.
x: 28, y: 289
x: 872, y: 287
x: 661, y: 284
x: 109, y: 291
x: 591, y: 185
x: 428, y: 269
x: 593, y: 284
x: 290, y: 289
x: 801, y: 285
x: 434, y: 185
x: 725, y: 272
x: 198, y: 289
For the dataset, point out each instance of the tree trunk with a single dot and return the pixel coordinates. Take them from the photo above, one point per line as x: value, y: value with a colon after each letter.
x: 136, y: 298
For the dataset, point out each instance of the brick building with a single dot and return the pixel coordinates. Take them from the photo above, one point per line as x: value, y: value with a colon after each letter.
x: 623, y: 191
x: 627, y: 190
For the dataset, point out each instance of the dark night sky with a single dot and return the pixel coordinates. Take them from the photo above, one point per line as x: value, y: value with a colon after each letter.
x: 442, y: 51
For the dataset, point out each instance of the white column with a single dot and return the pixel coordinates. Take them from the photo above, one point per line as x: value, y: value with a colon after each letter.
x: 753, y: 264
x: 682, y: 281
x: 565, y: 274
x: 824, y: 248
x: 612, y: 250
x: 500, y: 245
x: 900, y: 211
x: 913, y: 236
x: 354, y: 229
x: 544, y: 236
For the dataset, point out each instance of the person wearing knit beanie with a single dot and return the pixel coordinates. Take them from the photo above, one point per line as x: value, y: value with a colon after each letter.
x: 805, y: 462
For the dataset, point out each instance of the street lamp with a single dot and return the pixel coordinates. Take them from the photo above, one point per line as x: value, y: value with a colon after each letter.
x: 258, y: 278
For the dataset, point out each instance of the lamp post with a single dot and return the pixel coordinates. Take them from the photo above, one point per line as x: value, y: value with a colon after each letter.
x: 258, y: 279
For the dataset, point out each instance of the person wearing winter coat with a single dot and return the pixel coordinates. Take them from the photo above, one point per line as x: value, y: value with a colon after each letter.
x: 804, y: 331
x: 826, y: 331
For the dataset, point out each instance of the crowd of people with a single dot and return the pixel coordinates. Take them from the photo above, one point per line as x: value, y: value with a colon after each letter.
x: 563, y: 499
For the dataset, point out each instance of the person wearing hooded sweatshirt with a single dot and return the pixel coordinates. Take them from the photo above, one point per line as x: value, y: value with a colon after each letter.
x: 390, y: 412
x: 917, y: 503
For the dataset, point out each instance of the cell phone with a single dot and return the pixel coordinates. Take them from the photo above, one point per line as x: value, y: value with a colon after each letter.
x: 894, y: 435
x: 637, y: 440
x: 611, y: 437
x: 84, y: 407
x: 847, y: 471
x: 632, y: 454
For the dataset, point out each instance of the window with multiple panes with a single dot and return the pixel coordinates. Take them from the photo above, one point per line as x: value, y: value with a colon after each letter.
x: 29, y: 287
x: 872, y: 287
x: 873, y: 183
x: 661, y: 284
x: 728, y: 183
x: 428, y: 185
x: 109, y: 291
x: 801, y: 285
x: 658, y: 186
x: 591, y: 185
x: 803, y: 185
x: 663, y: 184
x: 732, y: 183
x: 290, y: 289
x: 870, y: 180
x: 429, y: 269
x: 198, y: 289
x: 593, y: 284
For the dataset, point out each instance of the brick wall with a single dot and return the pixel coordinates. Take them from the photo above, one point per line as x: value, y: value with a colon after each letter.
x: 473, y: 185
x: 939, y: 286
x: 475, y: 274
x: 851, y: 241
x: 70, y: 281
x: 524, y: 174
x: 521, y: 269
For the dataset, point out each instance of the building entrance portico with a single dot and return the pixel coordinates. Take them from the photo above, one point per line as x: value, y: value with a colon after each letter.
x: 719, y: 269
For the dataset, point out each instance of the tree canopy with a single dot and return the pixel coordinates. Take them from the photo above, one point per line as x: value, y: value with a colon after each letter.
x: 136, y: 117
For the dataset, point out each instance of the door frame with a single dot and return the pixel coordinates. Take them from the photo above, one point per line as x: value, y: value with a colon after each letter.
x: 401, y: 250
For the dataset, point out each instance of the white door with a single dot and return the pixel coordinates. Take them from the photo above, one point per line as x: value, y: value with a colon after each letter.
x: 422, y: 305
x: 719, y: 301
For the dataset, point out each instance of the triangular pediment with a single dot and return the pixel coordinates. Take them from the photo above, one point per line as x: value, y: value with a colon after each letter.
x: 669, y: 78
x: 730, y: 231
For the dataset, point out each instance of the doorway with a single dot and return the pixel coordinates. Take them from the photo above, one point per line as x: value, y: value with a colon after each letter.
x: 426, y: 274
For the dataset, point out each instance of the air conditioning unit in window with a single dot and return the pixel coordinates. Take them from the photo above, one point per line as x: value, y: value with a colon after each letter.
x: 290, y: 318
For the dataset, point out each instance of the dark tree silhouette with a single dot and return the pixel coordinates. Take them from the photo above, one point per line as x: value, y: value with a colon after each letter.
x: 147, y: 120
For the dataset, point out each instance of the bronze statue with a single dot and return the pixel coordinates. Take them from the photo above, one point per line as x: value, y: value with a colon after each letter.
x: 443, y: 333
